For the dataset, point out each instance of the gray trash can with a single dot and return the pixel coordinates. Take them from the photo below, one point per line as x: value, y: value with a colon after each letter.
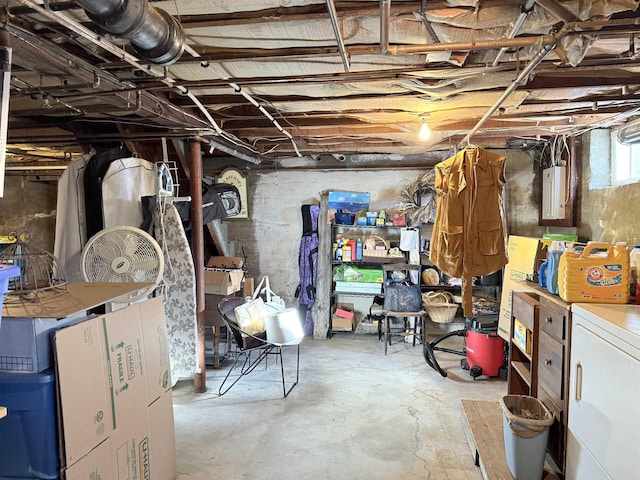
x: 526, y: 423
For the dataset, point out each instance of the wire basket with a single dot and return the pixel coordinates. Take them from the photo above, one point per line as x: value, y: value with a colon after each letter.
x: 40, y: 271
x: 440, y: 306
x: 377, y: 253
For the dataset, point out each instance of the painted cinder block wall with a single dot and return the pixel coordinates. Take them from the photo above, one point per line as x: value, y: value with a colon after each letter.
x: 271, y: 236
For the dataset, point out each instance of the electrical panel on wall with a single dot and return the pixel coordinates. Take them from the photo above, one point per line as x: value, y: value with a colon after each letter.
x: 554, y: 193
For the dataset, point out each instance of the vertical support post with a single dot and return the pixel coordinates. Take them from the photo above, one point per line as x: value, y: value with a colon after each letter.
x: 5, y: 86
x: 197, y: 246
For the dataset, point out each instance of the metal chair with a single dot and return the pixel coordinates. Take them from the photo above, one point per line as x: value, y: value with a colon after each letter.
x: 283, y: 329
x: 417, y: 330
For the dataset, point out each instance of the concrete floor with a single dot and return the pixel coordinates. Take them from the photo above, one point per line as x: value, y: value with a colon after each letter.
x: 355, y: 414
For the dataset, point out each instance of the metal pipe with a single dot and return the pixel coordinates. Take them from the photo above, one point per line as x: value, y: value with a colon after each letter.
x: 197, y: 240
x: 154, y: 34
x: 526, y: 9
x: 336, y: 31
x: 543, y: 52
x: 5, y: 90
x: 385, y: 17
x: 539, y: 40
x: 242, y: 156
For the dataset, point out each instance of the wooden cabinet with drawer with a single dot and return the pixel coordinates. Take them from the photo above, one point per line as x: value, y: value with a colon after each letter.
x: 548, y: 318
x: 553, y: 368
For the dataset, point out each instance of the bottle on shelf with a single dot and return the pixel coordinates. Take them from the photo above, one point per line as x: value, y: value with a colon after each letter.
x: 553, y: 261
x: 634, y: 275
x: 352, y: 249
x: 358, y: 250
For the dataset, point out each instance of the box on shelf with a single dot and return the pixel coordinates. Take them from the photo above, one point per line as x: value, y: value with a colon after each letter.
x: 352, y: 273
x: 344, y: 310
x: 351, y: 202
x: 339, y: 322
x: 522, y: 336
x: 525, y: 257
x: 229, y: 263
x: 358, y: 287
x: 115, y: 393
x: 396, y: 218
x: 222, y: 282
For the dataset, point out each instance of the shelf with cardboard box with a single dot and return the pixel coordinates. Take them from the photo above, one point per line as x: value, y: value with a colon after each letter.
x: 357, y: 256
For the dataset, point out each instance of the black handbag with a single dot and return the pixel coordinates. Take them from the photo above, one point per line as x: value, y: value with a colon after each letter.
x: 403, y: 297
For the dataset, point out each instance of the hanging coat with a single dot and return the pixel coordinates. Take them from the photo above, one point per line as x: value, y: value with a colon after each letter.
x: 469, y: 233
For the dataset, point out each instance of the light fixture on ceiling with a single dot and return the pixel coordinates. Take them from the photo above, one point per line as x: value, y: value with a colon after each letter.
x: 425, y: 131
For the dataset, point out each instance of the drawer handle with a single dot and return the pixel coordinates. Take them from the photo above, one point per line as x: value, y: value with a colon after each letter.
x: 549, y: 320
x: 547, y: 362
x: 578, y: 381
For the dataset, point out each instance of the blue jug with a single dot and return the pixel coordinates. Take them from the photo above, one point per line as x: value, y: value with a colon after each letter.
x: 553, y: 261
x: 542, y: 274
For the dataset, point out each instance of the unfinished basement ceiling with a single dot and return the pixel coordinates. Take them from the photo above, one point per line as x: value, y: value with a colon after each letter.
x: 281, y: 82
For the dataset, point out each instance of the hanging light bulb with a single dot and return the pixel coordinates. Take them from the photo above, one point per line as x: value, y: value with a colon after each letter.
x: 425, y: 131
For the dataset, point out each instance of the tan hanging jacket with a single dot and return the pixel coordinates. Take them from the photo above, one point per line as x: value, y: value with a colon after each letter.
x: 469, y: 233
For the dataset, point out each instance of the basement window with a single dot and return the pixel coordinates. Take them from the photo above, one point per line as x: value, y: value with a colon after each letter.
x: 625, y: 161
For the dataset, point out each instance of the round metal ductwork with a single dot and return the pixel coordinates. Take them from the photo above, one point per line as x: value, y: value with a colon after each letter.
x: 154, y: 34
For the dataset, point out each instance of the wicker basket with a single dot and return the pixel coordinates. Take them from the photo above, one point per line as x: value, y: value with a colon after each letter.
x: 367, y: 252
x: 440, y: 306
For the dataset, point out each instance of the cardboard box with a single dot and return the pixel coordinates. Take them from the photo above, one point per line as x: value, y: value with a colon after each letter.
x: 344, y: 313
x: 352, y: 273
x: 397, y: 219
x: 115, y: 394
x: 228, y: 263
x: 522, y: 336
x: 525, y: 257
x: 358, y: 287
x: 222, y: 282
x: 348, y: 202
x: 340, y: 323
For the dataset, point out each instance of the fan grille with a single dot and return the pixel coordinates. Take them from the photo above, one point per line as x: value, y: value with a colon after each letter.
x: 123, y: 254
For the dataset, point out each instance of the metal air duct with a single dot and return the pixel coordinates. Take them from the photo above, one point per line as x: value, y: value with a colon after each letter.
x: 155, y: 35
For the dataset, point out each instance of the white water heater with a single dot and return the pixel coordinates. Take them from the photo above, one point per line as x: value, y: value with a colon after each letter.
x: 554, y: 193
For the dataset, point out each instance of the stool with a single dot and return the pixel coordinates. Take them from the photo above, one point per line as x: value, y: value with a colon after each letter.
x: 417, y: 330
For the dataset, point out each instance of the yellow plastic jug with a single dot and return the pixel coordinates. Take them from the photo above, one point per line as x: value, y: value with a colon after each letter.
x: 598, y: 274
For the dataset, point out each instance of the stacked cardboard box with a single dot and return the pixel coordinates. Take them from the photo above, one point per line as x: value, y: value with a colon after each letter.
x: 342, y: 317
x: 115, y: 395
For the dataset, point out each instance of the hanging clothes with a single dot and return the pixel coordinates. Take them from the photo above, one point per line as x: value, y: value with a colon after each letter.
x: 93, y: 175
x: 123, y: 185
x: 469, y: 233
x: 308, y: 263
x: 71, y: 230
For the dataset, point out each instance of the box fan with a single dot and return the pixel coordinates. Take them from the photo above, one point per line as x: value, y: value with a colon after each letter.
x: 124, y: 254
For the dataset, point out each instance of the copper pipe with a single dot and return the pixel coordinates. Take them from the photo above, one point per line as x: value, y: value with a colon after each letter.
x: 197, y: 242
x: 540, y: 40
